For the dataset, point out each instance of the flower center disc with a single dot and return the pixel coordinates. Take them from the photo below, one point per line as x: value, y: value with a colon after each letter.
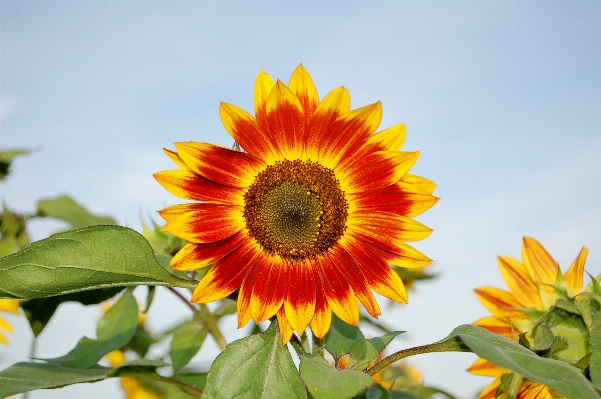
x: 296, y: 209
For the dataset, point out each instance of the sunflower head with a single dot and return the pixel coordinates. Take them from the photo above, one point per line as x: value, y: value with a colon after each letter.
x: 543, y: 309
x: 307, y: 216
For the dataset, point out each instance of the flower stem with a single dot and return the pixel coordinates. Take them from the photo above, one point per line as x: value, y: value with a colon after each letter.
x: 297, y: 345
x: 514, y: 386
x: 318, y: 346
x: 452, y: 347
x: 208, y: 318
x: 204, y: 315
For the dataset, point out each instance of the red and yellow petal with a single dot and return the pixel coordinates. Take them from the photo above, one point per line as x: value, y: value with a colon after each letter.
x: 390, y: 139
x: 203, y: 222
x: 285, y: 120
x: 227, y: 275
x: 348, y: 134
x: 420, y: 182
x: 377, y: 171
x: 195, y: 256
x: 248, y: 133
x: 499, y: 326
x: 400, y: 198
x: 286, y: 330
x: 380, y: 277
x: 188, y: 185
x: 538, y: 261
x: 302, y: 85
x: 500, y: 303
x: 300, y: 297
x: 573, y: 277
x: 220, y: 164
x: 388, y: 226
x: 322, y: 318
x: 484, y: 367
x: 356, y: 278
x: 268, y: 288
x: 338, y: 292
x: 263, y: 85
x: 336, y: 103
x: 176, y: 159
x: 515, y: 275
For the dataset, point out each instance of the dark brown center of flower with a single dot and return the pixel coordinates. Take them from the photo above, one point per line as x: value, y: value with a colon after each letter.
x: 296, y: 209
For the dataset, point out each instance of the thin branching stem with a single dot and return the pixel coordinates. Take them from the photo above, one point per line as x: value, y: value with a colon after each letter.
x: 418, y: 350
x: 205, y: 316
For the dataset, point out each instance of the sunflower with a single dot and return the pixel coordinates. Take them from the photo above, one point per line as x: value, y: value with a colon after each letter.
x: 7, y: 305
x: 530, y: 285
x: 307, y: 218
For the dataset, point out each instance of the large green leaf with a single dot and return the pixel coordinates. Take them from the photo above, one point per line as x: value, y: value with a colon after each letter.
x: 115, y: 329
x: 366, y: 350
x: 66, y: 209
x: 560, y: 376
x: 595, y: 359
x: 258, y: 366
x: 40, y: 310
x: 187, y: 340
x: 341, y: 337
x: 24, y: 377
x: 83, y: 259
x: 325, y: 382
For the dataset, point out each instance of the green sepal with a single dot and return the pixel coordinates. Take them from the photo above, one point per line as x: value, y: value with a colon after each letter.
x: 504, y: 384
x: 522, y: 340
x: 542, y: 338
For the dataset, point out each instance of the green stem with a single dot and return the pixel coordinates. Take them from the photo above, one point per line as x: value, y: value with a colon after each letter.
x: 204, y: 315
x: 32, y: 351
x: 514, y: 386
x: 157, y: 377
x: 297, y: 345
x: 208, y: 318
x: 318, y: 346
x: 418, y: 350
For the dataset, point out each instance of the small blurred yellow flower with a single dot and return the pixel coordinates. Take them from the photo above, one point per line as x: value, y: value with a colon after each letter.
x: 7, y: 305
x: 131, y: 386
x: 530, y: 286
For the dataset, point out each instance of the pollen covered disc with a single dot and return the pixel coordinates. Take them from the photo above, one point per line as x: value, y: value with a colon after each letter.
x: 296, y: 209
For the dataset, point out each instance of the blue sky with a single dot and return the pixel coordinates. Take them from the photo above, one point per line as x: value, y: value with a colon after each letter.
x: 502, y: 98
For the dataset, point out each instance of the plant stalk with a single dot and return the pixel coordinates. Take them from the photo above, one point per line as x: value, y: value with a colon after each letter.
x: 318, y: 346
x: 514, y: 386
x: 418, y: 350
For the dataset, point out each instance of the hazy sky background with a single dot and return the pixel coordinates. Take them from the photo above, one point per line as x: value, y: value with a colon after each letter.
x: 502, y: 98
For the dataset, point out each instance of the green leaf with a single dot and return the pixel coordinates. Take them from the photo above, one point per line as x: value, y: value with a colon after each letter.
x: 165, y: 262
x: 341, y: 337
x: 325, y: 382
x: 66, y: 209
x: 83, y: 259
x: 39, y: 310
x: 115, y: 329
x: 557, y: 375
x: 595, y: 359
x: 376, y: 391
x: 198, y: 380
x: 258, y: 366
x: 365, y: 350
x: 24, y: 377
x: 187, y: 340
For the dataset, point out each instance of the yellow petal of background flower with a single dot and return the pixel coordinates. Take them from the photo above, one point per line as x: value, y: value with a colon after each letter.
x: 519, y: 283
x: 573, y: 277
